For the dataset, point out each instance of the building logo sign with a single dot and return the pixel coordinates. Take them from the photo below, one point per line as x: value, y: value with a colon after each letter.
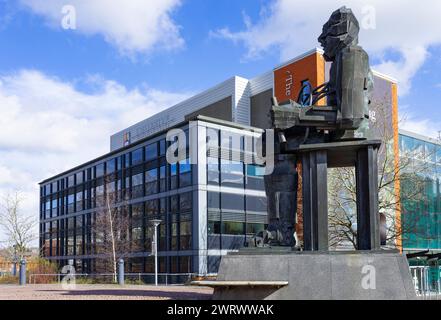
x: 126, y: 139
x: 288, y: 84
x: 288, y: 78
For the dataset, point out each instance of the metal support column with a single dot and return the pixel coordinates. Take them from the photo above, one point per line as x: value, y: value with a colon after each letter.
x: 368, y: 232
x: 315, y: 200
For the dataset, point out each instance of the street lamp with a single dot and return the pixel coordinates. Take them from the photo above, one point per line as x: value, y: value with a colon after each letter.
x: 14, y: 261
x: 155, y: 223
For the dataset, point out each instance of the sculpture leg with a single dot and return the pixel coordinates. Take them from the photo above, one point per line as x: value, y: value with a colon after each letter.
x: 281, y: 190
x: 315, y: 200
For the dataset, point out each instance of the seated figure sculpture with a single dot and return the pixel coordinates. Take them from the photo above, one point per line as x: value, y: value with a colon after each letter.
x: 347, y: 109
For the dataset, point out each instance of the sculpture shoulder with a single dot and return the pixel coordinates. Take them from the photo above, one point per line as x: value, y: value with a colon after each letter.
x: 355, y: 50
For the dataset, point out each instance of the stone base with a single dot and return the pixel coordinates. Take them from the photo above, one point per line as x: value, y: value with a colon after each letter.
x: 356, y: 275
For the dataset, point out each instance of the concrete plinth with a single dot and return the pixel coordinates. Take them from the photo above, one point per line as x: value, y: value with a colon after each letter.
x: 358, y: 275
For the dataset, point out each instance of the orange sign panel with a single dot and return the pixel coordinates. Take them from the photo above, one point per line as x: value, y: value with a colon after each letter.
x: 288, y: 79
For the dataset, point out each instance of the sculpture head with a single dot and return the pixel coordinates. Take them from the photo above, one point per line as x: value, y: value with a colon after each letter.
x: 339, y: 32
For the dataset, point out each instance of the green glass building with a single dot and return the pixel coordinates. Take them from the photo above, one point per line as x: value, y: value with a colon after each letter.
x: 420, y: 189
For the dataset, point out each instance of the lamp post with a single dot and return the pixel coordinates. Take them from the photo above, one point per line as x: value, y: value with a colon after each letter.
x: 14, y: 261
x: 155, y: 223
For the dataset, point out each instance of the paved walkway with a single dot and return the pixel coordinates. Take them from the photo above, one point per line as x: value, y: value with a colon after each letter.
x: 103, y: 292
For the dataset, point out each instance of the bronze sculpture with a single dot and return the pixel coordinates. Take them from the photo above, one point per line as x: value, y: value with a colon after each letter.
x: 320, y: 137
x: 347, y: 109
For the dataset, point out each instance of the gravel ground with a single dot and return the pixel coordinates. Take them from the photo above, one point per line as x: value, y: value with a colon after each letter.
x: 104, y: 292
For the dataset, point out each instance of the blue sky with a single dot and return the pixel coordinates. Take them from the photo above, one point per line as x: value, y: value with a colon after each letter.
x: 204, y: 61
x: 28, y: 42
x: 63, y: 92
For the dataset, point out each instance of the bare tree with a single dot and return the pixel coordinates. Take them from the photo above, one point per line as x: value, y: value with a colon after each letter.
x: 402, y: 173
x: 18, y: 228
x: 111, y: 229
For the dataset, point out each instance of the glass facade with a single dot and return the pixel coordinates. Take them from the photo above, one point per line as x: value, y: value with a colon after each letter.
x: 141, y: 185
x: 420, y: 193
x: 236, y: 201
x: 421, y: 204
x: 138, y: 182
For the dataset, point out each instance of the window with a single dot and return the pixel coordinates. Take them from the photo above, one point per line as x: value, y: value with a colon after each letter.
x: 173, y: 176
x: 99, y: 190
x: 185, y: 264
x: 255, y: 228
x: 110, y: 187
x: 71, y: 181
x: 162, y: 148
x: 137, y: 156
x: 232, y: 141
x: 256, y: 204
x: 213, y: 201
x: 137, y: 210
x: 151, y: 208
x: 214, y: 227
x: 213, y: 171
x: 119, y: 162
x: 185, y: 201
x: 137, y: 185
x: 99, y: 170
x: 54, y: 207
x: 151, y: 152
x: 430, y: 152
x: 111, y: 166
x: 54, y: 187
x: 232, y: 173
x: 174, y: 204
x: 438, y: 155
x: 233, y: 228
x: 174, y: 236
x: 162, y: 179
x: 136, y: 235
x: 185, y: 235
x: 126, y: 160
x: 70, y: 203
x: 254, y: 178
x: 255, y: 170
x: 162, y: 206
x: 79, y: 177
x: 184, y: 173
x: 232, y: 202
x: 151, y: 181
x: 79, y: 199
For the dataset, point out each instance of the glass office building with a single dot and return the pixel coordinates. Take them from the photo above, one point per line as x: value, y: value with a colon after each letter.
x: 207, y: 208
x: 421, y: 208
x: 421, y: 212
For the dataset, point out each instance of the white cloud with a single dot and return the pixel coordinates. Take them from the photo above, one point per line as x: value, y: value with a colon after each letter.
x: 132, y: 26
x: 48, y: 126
x: 424, y: 127
x: 404, y: 28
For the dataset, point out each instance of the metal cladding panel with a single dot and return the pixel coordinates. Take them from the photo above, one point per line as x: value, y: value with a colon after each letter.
x: 261, y: 83
x: 174, y: 115
x: 242, y: 101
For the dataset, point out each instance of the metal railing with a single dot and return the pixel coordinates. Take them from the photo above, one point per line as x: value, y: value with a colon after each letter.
x: 167, y: 279
x: 427, y: 281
